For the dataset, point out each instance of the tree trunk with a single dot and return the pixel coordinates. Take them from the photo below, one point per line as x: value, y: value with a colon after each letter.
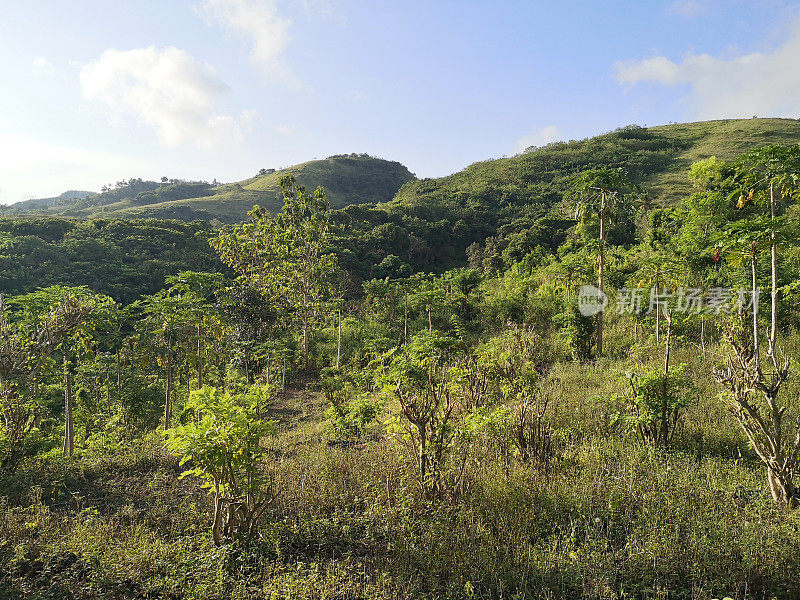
x: 339, y: 341
x: 773, y: 331
x: 216, y: 529
x: 423, y: 459
x: 305, y: 345
x: 199, y: 357
x: 69, y: 432
x: 405, y: 317
x: 703, y: 336
x: 658, y: 312
x: 664, y: 416
x: 168, y: 392
x: 755, y: 309
x: 600, y: 274
x: 119, y: 375
x: 430, y: 318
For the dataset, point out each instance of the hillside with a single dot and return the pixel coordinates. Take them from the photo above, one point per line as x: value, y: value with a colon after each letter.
x: 505, y: 208
x: 347, y: 179
x: 36, y: 204
x: 658, y: 157
x: 123, y: 259
x: 490, y: 214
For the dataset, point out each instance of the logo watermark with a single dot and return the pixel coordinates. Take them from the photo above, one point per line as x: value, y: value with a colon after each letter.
x: 591, y: 300
x: 685, y: 300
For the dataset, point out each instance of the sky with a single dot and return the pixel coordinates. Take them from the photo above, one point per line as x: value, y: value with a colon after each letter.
x: 95, y: 91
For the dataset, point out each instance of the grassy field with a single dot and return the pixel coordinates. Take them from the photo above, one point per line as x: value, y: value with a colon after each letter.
x: 608, y: 517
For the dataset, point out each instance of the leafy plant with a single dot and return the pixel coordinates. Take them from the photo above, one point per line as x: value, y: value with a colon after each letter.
x: 223, y: 445
x: 656, y: 402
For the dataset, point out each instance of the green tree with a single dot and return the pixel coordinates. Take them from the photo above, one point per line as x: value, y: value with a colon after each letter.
x: 53, y: 320
x: 421, y: 380
x: 601, y: 195
x: 287, y: 257
x: 766, y: 176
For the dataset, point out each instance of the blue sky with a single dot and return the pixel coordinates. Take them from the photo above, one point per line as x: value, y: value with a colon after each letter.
x: 96, y: 91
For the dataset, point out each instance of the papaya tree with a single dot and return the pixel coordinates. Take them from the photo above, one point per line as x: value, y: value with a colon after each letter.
x: 51, y: 321
x: 223, y: 443
x: 600, y: 196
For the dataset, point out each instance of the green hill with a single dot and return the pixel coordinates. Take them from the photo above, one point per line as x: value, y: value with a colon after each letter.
x: 659, y: 157
x: 510, y: 206
x: 36, y: 204
x: 347, y: 179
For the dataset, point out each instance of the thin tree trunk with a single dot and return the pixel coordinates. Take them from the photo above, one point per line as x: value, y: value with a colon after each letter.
x: 664, y: 416
x: 339, y: 341
x: 168, y: 391
x: 600, y: 274
x: 283, y: 374
x: 430, y: 319
x: 658, y: 312
x: 199, y: 357
x: 703, y: 336
x: 755, y: 310
x: 405, y: 316
x: 305, y: 345
x: 773, y: 331
x: 119, y: 375
x: 69, y: 432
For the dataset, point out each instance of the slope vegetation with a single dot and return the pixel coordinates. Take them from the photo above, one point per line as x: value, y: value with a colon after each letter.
x: 347, y: 179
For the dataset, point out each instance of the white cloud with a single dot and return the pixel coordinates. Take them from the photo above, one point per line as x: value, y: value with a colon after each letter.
x: 687, y: 9
x: 260, y: 22
x: 544, y: 136
x: 166, y: 89
x: 763, y: 84
x: 42, y: 67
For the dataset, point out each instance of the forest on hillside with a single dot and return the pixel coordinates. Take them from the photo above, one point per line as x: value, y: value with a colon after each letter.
x: 537, y: 382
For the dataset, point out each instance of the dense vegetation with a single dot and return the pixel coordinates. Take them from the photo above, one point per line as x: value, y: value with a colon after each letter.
x: 122, y: 259
x: 314, y: 414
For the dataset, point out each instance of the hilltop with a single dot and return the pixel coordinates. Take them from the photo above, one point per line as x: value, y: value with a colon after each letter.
x: 347, y: 179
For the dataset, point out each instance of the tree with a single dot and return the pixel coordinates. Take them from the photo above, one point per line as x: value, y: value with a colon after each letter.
x: 199, y: 295
x: 223, y: 443
x: 766, y: 176
x: 168, y: 321
x: 51, y: 320
x: 420, y: 379
x: 754, y: 393
x: 601, y: 194
x: 287, y: 257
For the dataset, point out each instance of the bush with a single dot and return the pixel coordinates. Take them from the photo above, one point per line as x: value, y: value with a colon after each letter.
x: 224, y: 445
x: 656, y: 402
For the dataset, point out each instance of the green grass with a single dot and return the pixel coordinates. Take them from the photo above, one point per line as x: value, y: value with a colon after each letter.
x: 609, y: 519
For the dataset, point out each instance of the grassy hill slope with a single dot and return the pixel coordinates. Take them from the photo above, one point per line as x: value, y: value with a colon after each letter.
x: 347, y: 179
x: 659, y: 157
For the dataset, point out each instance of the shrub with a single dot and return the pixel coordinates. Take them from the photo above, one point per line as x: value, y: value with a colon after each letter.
x: 656, y: 402
x: 224, y: 445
